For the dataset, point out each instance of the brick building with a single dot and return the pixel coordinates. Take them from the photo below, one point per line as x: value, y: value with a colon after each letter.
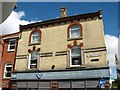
x: 10, y: 42
x: 1, y: 50
x: 67, y: 52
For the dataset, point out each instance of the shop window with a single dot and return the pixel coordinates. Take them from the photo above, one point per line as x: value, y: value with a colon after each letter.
x: 33, y: 59
x: 7, y: 70
x: 74, y: 30
x: 11, y: 45
x: 75, y: 56
x: 35, y: 36
x: 44, y: 85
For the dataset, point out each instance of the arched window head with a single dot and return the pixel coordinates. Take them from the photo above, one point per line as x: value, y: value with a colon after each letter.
x: 8, y: 70
x: 35, y: 36
x: 75, y: 56
x: 33, y: 59
x: 74, y: 30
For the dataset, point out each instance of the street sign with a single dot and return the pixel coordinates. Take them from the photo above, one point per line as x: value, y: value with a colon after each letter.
x: 102, y: 83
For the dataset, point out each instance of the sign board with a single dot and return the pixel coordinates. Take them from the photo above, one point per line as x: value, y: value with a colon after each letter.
x: 102, y: 83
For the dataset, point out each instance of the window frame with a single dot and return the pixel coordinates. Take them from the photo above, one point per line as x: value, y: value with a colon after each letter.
x: 69, y: 31
x: 29, y: 63
x: 31, y: 34
x: 11, y: 45
x: 79, y: 55
x: 5, y: 70
x: 74, y: 30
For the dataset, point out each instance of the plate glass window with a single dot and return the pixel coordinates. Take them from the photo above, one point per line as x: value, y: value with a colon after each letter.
x: 35, y: 37
x: 75, y: 31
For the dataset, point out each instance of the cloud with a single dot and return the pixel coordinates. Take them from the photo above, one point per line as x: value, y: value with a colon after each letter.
x: 112, y: 48
x: 11, y: 24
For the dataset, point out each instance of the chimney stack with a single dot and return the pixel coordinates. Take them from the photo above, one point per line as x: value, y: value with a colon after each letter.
x: 63, y: 12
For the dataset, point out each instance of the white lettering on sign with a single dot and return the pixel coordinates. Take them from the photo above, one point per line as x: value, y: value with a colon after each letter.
x: 93, y: 55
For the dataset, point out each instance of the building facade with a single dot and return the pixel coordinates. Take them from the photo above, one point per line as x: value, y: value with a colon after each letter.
x: 67, y: 52
x: 8, y: 58
x: 1, y: 50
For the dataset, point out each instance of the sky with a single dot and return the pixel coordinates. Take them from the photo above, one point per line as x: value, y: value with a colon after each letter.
x: 31, y: 12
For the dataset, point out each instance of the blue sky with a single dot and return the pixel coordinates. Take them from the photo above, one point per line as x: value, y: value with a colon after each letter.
x: 50, y: 10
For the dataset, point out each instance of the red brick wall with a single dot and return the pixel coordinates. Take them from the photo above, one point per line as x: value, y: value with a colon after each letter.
x: 8, y: 56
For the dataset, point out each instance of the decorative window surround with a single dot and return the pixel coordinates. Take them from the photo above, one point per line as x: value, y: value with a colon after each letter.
x: 35, y: 33
x: 78, y: 30
x: 75, y: 56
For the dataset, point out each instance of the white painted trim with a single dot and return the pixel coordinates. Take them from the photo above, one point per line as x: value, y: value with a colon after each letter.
x: 11, y: 45
x: 5, y: 71
x: 71, y: 60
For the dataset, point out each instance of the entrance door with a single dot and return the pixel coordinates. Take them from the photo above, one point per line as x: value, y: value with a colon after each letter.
x: 53, y: 85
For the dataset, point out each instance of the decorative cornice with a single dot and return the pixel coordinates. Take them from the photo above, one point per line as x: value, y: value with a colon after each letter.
x: 62, y: 21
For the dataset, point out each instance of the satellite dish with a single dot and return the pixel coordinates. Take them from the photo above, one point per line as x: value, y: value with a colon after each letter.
x: 6, y: 9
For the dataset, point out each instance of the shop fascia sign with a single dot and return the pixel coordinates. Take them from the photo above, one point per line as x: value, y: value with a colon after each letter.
x: 39, y: 75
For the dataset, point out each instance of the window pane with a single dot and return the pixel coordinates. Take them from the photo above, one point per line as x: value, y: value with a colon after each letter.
x: 34, y: 61
x: 64, y: 84
x: 7, y: 74
x: 12, y: 42
x: 36, y: 37
x: 76, y: 61
x: 75, y: 31
x: 12, y: 47
x: 74, y: 27
x: 76, y: 56
x: 34, y: 54
x: 44, y: 85
x: 75, y: 51
x: 8, y: 68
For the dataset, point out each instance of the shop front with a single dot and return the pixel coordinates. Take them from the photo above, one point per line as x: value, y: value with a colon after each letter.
x: 72, y: 79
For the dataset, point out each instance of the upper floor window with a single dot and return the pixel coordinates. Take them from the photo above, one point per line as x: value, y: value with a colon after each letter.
x: 7, y: 70
x: 11, y: 45
x: 35, y: 36
x: 33, y: 59
x: 75, y: 56
x: 74, y: 30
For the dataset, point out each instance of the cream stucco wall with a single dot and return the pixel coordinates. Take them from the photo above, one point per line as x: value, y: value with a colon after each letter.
x: 55, y: 39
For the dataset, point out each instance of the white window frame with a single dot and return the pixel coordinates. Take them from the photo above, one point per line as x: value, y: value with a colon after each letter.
x: 11, y: 45
x: 5, y: 69
x: 30, y: 60
x: 71, y: 59
x: 36, y: 35
x: 76, y: 30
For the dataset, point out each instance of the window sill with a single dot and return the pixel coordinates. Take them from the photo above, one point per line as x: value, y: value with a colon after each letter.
x: 10, y: 50
x: 70, y: 39
x: 32, y: 69
x: 74, y: 67
x: 4, y: 78
x: 30, y: 44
